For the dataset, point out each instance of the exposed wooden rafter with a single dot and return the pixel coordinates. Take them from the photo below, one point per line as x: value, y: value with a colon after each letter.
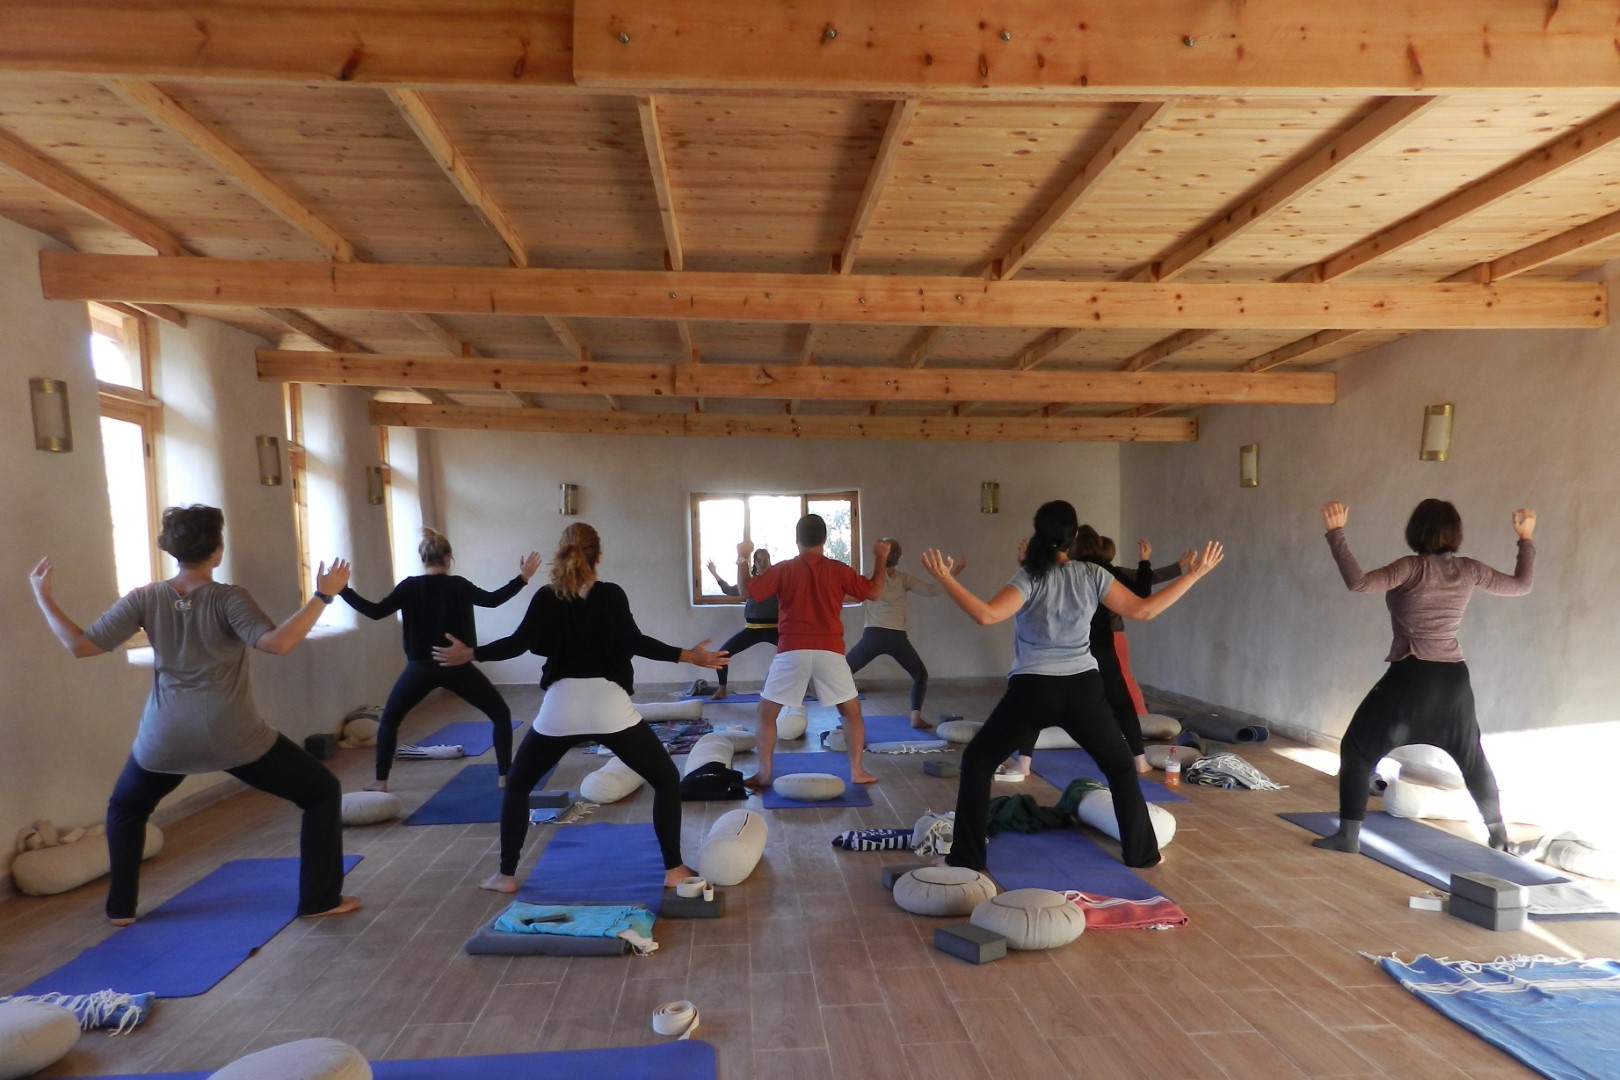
x: 674, y: 252
x: 30, y: 164
x: 894, y: 135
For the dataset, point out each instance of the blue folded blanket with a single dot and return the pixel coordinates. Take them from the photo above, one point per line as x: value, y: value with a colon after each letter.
x: 575, y: 920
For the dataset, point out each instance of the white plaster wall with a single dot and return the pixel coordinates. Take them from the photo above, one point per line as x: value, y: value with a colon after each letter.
x: 497, y: 497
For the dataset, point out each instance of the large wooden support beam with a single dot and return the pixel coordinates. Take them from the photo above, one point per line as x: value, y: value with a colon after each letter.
x: 796, y: 381
x: 28, y: 163
x: 804, y: 298
x: 939, y: 428
x: 1095, y: 45
x: 894, y: 137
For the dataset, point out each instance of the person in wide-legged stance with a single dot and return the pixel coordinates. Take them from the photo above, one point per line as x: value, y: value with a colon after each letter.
x: 1425, y: 696
x: 583, y: 627
x: 1054, y: 679
x: 885, y: 633
x: 437, y: 604
x: 200, y: 716
x: 759, y: 617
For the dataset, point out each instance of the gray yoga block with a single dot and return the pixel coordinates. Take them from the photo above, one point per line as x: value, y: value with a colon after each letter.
x: 1490, y: 891
x: 891, y: 874
x: 968, y: 942
x: 942, y: 768
x: 1491, y: 918
x: 321, y: 746
x: 550, y: 799
x: 692, y: 907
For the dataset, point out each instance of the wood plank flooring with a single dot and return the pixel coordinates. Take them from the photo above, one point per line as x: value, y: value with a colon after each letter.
x: 814, y: 972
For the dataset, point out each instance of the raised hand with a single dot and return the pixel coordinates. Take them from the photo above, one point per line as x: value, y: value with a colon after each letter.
x: 528, y: 564
x: 1144, y: 550
x: 1334, y: 515
x: 454, y: 654
x: 1208, y: 559
x: 333, y: 581
x: 701, y: 655
x: 939, y: 564
x: 1524, y: 523
x: 880, y: 552
x: 40, y: 578
x: 958, y: 566
x: 709, y: 566
x: 1186, y: 560
x: 745, y: 549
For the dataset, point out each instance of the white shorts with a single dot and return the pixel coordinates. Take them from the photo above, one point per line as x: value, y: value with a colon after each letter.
x: 585, y: 707
x: 791, y: 673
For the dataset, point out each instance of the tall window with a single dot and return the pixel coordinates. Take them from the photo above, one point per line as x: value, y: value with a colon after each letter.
x: 298, y: 473
x: 120, y: 351
x: 721, y: 520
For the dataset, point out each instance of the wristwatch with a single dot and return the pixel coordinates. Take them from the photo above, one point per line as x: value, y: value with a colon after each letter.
x: 324, y: 598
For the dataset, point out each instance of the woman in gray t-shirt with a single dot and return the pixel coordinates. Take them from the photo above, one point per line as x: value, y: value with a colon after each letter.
x: 200, y: 717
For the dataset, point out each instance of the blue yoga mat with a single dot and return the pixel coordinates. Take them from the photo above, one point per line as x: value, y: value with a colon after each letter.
x: 751, y: 698
x: 813, y: 761
x: 469, y: 796
x: 1427, y: 853
x: 895, y: 729
x: 1062, y: 859
x: 473, y: 736
x: 680, y: 1060
x: 600, y: 863
x: 1060, y: 767
x: 192, y: 940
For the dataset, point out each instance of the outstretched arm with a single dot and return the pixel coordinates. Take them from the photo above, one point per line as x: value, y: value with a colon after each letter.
x: 374, y: 609
x: 527, y: 565
x: 286, y: 637
x: 999, y: 608
x: 728, y: 590
x: 68, y: 632
x: 1334, y: 517
x: 1524, y: 570
x: 1121, y: 601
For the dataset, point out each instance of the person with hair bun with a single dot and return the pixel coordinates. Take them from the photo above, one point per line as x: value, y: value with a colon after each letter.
x: 583, y: 627
x: 885, y: 632
x: 1054, y: 679
x: 438, y: 605
x: 200, y: 717
x: 1425, y: 696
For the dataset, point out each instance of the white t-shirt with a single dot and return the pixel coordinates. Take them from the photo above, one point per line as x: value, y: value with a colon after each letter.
x: 887, y: 611
x: 1052, y: 631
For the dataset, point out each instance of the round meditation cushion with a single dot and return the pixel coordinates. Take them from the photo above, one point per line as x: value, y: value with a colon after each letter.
x: 732, y: 848
x: 612, y: 782
x: 809, y: 786
x: 47, y: 871
x: 1159, y: 726
x: 791, y: 722
x: 670, y: 710
x: 306, y: 1059
x: 1403, y: 798
x: 1097, y: 810
x: 361, y: 731
x: 958, y: 731
x: 710, y: 749
x: 1031, y: 918
x: 942, y: 890
x: 1159, y: 753
x: 742, y: 740
x: 34, y: 1035
x: 1054, y: 738
x: 369, y: 807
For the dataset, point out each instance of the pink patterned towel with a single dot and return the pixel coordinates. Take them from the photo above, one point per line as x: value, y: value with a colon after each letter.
x: 1113, y: 913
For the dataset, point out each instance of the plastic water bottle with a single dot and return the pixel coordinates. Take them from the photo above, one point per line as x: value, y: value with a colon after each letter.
x: 1172, y: 769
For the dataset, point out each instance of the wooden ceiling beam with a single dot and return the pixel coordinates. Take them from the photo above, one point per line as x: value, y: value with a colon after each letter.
x: 1162, y: 350
x: 30, y: 164
x: 1568, y: 242
x: 877, y: 177
x: 1295, y: 350
x: 919, y: 353
x: 323, y: 336
x: 1048, y: 344
x: 572, y: 422
x: 652, y: 138
x: 791, y: 381
x: 803, y: 298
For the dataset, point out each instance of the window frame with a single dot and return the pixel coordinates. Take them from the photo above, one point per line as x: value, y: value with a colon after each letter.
x: 697, y: 498
x: 139, y: 407
x: 297, y: 476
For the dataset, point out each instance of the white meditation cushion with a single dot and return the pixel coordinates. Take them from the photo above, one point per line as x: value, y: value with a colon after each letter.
x: 809, y: 786
x: 742, y: 740
x: 1159, y: 753
x: 710, y: 749
x: 47, y: 871
x: 1097, y: 810
x: 370, y: 807
x: 732, y: 848
x: 33, y: 1036
x: 1580, y: 856
x: 1159, y: 726
x: 942, y: 890
x: 670, y: 710
x: 610, y: 783
x: 958, y: 731
x: 1405, y: 799
x: 306, y: 1059
x: 361, y: 731
x: 791, y: 722
x: 1055, y: 738
x: 1031, y: 918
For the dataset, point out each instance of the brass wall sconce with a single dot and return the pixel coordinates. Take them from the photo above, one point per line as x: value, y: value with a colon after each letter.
x: 568, y: 499
x: 989, y: 497
x: 1249, y: 465
x: 1436, y: 445
x: 53, y: 427
x: 375, y: 484
x: 269, y: 450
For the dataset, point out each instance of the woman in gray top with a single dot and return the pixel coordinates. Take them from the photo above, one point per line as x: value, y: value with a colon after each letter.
x: 885, y: 633
x: 1425, y: 696
x: 200, y: 716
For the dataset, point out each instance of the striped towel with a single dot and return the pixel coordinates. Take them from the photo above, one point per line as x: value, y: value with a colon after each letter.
x: 874, y: 840
x: 1114, y: 913
x: 411, y: 750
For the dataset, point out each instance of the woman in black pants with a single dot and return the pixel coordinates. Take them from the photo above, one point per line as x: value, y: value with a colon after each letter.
x: 200, y: 716
x: 584, y: 629
x: 438, y: 604
x: 759, y: 617
x: 885, y: 633
x: 1054, y: 679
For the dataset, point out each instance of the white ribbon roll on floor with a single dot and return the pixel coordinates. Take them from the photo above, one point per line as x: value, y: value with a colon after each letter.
x: 676, y: 1018
x: 691, y: 887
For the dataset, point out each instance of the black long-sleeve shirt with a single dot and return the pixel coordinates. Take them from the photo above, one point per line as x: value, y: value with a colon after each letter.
x: 593, y: 637
x: 1140, y: 581
x: 434, y: 605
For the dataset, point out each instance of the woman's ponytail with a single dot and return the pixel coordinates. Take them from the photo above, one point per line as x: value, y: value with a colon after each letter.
x: 574, y: 565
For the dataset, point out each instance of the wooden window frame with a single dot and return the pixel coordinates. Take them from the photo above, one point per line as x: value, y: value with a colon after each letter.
x: 137, y: 406
x: 697, y: 498
x: 297, y: 476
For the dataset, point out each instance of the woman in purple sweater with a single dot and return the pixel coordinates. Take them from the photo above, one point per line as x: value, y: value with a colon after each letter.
x: 1425, y: 696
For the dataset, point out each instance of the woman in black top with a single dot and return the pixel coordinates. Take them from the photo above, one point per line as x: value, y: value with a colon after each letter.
x: 759, y: 616
x: 438, y: 604
x: 584, y: 629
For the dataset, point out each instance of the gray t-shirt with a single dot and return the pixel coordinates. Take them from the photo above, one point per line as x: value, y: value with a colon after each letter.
x: 887, y: 610
x: 200, y: 716
x: 1053, y: 629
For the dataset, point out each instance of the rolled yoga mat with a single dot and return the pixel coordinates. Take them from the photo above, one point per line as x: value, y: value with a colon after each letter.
x: 1427, y: 853
x: 194, y: 939
x: 472, y: 795
x: 473, y: 736
x: 1061, y: 767
x: 600, y: 863
x: 1225, y: 729
x: 814, y: 762
x: 681, y: 1060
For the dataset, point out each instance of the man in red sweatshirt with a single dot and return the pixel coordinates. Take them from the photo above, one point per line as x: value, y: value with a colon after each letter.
x: 810, y: 629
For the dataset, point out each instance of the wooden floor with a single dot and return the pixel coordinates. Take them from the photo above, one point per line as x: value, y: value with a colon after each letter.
x: 814, y: 972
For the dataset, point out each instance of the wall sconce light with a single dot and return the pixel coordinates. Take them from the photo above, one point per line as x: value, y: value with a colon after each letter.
x: 1436, y: 433
x: 374, y: 485
x: 53, y: 428
x: 989, y: 497
x: 568, y: 499
x: 1249, y: 465
x: 269, y: 449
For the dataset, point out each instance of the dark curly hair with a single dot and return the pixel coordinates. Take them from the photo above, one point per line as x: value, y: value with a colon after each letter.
x: 192, y: 533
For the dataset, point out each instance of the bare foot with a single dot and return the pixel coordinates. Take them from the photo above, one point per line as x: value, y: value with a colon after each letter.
x: 122, y: 922
x: 917, y: 720
x: 377, y: 785
x: 346, y: 905
x: 1142, y: 766
x: 674, y: 877
x: 505, y: 883
x: 718, y: 695
x: 757, y: 782
x: 863, y: 777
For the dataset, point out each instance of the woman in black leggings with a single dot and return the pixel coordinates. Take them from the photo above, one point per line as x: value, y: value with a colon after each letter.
x: 438, y: 604
x: 885, y: 633
x: 584, y: 629
x: 759, y: 617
